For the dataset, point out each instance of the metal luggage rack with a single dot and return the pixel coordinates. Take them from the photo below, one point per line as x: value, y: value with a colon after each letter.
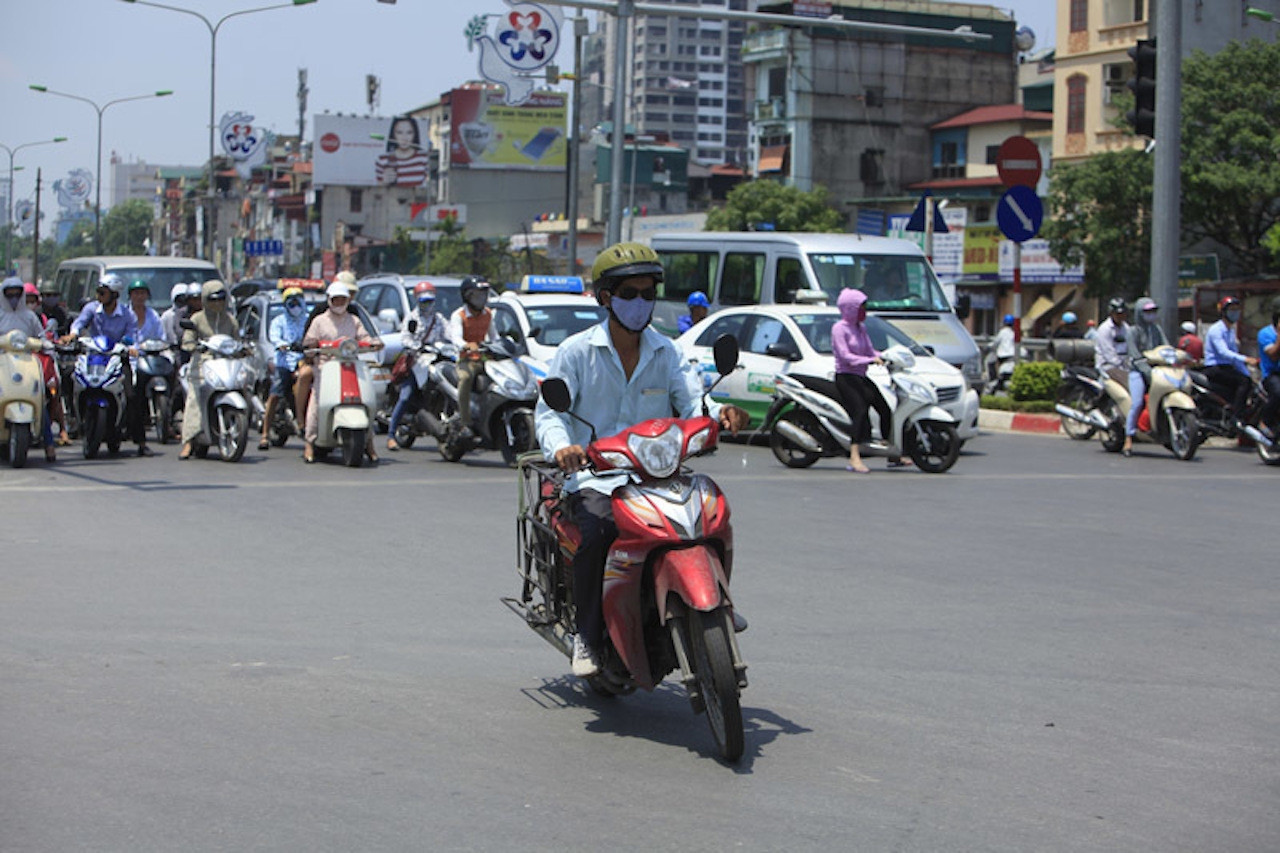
x: 538, y: 559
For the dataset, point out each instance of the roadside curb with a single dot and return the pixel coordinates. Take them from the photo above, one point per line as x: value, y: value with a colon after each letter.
x: 1043, y: 424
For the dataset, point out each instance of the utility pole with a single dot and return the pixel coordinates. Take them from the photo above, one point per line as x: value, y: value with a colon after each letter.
x: 1166, y: 213
x: 35, y: 245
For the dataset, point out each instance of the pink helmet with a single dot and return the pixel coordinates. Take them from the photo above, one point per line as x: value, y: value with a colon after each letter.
x: 30, y: 289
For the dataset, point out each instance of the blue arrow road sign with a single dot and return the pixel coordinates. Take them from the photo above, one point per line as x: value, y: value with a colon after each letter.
x: 1020, y: 213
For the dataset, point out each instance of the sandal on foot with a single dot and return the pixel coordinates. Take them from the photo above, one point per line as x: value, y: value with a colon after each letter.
x: 264, y: 445
x: 391, y: 445
x: 857, y: 470
x: 50, y: 455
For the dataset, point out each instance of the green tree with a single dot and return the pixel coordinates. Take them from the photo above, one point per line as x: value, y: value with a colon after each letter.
x: 1230, y: 143
x: 768, y: 202
x: 1100, y: 213
x: 126, y: 227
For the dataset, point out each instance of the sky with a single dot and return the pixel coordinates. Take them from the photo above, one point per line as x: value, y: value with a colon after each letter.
x: 108, y: 49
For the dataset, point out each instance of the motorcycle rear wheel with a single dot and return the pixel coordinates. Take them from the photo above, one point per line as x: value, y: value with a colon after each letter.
x: 791, y: 455
x: 933, y: 446
x: 161, y: 416
x: 353, y: 441
x: 1184, y: 433
x: 19, y: 443
x: 1112, y: 437
x: 713, y: 667
x: 405, y: 436
x: 523, y: 439
x: 1079, y: 399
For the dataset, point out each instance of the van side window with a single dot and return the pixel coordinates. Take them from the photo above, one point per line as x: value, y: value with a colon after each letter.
x: 788, y: 277
x: 84, y: 283
x: 685, y: 272
x: 731, y: 325
x: 740, y: 284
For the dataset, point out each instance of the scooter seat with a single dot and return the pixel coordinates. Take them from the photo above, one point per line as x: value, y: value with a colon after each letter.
x: 818, y: 384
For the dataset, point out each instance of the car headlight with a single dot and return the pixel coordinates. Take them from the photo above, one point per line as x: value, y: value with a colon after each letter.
x: 659, y: 455
x: 972, y: 370
x: 917, y: 391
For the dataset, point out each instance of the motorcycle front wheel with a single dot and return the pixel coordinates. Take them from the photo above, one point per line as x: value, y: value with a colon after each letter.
x: 19, y: 443
x: 934, y: 446
x: 353, y: 441
x: 231, y: 433
x: 163, y: 421
x: 789, y: 454
x: 92, y: 428
x: 1184, y: 433
x: 713, y: 667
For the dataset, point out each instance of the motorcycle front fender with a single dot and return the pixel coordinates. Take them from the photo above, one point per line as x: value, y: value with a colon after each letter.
x: 234, y: 399
x: 931, y: 413
x: 1178, y: 400
x: 696, y: 575
x: 19, y: 412
x: 350, y: 417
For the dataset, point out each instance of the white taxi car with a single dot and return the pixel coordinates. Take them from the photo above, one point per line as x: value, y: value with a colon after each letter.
x: 796, y: 339
x: 543, y: 313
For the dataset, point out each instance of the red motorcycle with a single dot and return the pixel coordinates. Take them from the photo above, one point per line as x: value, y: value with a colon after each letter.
x: 666, y: 580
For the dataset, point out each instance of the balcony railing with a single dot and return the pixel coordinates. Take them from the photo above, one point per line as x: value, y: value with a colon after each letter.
x: 773, y: 109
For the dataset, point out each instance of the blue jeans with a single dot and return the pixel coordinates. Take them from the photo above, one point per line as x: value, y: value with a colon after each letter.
x: 1137, y: 388
x: 406, y: 392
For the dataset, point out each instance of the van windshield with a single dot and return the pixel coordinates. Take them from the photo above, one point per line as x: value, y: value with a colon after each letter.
x: 160, y: 280
x: 891, y: 282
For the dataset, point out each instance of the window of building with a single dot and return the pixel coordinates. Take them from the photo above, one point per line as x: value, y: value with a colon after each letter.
x: 357, y: 201
x: 1079, y: 16
x: 992, y: 152
x: 871, y: 166
x: 1075, y: 103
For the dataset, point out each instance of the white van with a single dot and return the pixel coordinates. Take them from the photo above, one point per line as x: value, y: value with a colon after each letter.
x: 78, y: 278
x: 764, y: 267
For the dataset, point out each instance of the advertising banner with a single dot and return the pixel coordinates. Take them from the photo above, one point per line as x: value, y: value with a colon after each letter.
x: 489, y: 134
x: 1038, y: 266
x: 982, y: 252
x: 346, y: 154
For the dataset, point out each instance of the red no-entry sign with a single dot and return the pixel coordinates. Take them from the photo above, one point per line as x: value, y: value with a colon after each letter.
x: 1018, y: 162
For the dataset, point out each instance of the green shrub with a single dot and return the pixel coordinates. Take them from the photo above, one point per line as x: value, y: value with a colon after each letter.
x: 1035, y: 380
x: 1008, y: 404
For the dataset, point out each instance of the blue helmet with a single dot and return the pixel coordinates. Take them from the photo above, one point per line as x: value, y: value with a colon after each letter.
x: 699, y: 299
x: 1008, y: 319
x: 1069, y: 317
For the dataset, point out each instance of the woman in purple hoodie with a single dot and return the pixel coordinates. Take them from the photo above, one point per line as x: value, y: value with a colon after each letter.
x: 854, y: 352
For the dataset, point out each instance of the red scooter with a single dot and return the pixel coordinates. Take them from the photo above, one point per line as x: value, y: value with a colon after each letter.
x: 666, y: 579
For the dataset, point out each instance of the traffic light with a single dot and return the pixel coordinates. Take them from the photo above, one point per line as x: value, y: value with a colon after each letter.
x: 1143, y: 86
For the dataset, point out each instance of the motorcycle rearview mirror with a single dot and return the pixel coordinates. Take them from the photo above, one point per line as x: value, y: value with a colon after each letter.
x: 725, y: 352
x: 555, y: 393
x: 413, y: 326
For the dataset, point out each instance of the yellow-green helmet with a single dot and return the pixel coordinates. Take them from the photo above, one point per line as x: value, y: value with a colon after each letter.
x: 623, y: 260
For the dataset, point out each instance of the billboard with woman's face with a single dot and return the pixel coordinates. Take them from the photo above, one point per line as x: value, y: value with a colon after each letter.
x: 348, y: 154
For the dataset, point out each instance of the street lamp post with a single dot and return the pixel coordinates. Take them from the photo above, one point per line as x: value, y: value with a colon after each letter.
x: 97, y: 203
x: 213, y: 27
x: 8, y: 254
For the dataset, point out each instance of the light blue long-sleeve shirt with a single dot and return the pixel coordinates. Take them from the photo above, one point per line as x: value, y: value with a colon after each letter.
x: 94, y: 320
x: 150, y: 330
x: 286, y: 330
x: 663, y: 382
x: 1221, y: 347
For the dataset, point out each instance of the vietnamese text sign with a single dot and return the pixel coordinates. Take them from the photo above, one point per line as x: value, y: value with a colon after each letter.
x: 489, y: 134
x: 1038, y: 266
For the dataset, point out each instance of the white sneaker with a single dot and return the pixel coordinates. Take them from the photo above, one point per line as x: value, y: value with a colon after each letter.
x: 584, y: 659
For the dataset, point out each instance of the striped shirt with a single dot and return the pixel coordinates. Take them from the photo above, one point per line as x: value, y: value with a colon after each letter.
x: 408, y: 171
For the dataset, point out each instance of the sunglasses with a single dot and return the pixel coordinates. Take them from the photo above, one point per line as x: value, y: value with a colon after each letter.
x: 293, y: 303
x: 217, y: 297
x: 649, y: 294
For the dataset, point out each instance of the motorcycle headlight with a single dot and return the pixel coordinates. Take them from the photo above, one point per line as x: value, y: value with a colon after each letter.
x: 227, y: 346
x: 617, y: 460
x: 699, y: 440
x: 17, y: 341
x: 348, y: 348
x: 918, y: 391
x: 659, y: 455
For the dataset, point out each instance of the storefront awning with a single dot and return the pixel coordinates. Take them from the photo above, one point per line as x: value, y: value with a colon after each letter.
x: 772, y: 158
x: 1044, y: 305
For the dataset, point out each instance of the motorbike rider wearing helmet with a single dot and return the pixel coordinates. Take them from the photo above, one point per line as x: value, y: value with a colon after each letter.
x: 148, y: 328
x: 428, y: 328
x: 698, y: 308
x: 1144, y: 334
x: 17, y: 315
x: 1111, y: 343
x: 1269, y: 360
x: 1226, y: 368
x: 1068, y: 329
x: 285, y: 330
x: 469, y: 327
x: 176, y: 311
x: 212, y: 319
x: 619, y: 372
x: 52, y: 306
x: 335, y: 323
x: 108, y: 316
x: 1190, y: 342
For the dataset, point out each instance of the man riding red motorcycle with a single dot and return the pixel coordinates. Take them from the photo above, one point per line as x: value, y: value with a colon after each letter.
x: 619, y: 373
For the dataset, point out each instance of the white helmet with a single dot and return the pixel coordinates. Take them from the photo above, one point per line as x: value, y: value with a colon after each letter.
x: 178, y: 291
x: 195, y: 289
x: 111, y: 281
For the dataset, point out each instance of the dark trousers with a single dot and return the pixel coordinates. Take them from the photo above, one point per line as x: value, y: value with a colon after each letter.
x: 1272, y: 407
x: 1230, y: 383
x: 593, y: 513
x: 857, y: 395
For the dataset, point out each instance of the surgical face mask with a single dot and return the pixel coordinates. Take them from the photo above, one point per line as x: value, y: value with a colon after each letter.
x: 295, y: 309
x: 477, y: 299
x: 14, y: 300
x: 338, y: 307
x: 1149, y: 316
x: 633, y: 314
x: 1233, y: 315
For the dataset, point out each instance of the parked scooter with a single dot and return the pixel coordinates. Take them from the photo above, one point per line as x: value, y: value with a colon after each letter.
x: 1080, y: 389
x: 154, y: 374
x: 428, y: 409
x: 224, y: 393
x: 806, y: 420
x: 21, y: 395
x: 502, y: 402
x: 100, y: 394
x: 1169, y: 414
x: 1217, y: 416
x: 666, y: 590
x: 345, y: 400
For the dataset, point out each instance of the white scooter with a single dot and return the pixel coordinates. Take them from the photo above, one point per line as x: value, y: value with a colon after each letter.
x: 806, y: 420
x: 21, y: 394
x: 345, y: 400
x: 100, y: 394
x: 224, y: 393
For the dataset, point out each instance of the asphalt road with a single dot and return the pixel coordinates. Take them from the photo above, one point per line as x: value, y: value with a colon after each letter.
x: 1049, y: 648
